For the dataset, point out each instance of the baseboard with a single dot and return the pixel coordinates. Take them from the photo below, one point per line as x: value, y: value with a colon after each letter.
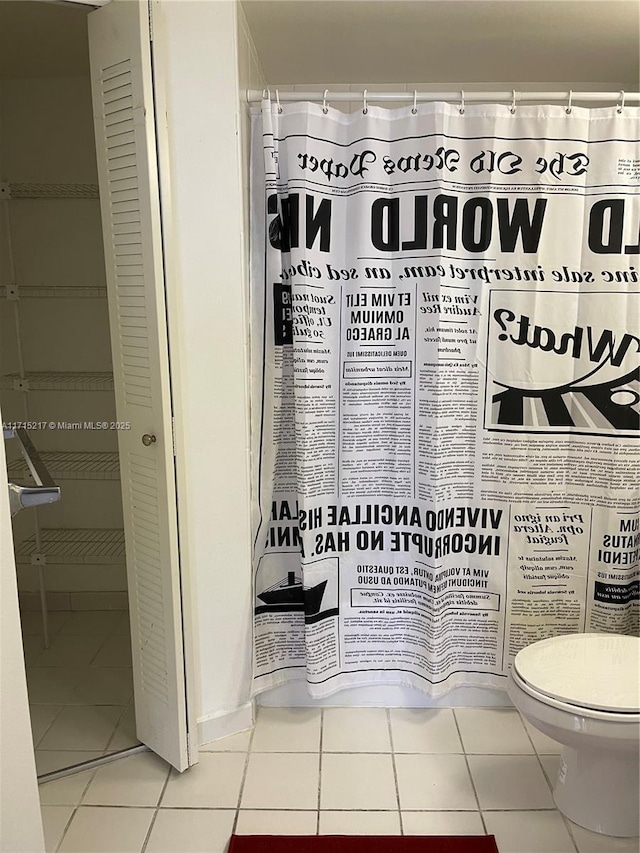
x: 227, y: 723
x: 295, y: 695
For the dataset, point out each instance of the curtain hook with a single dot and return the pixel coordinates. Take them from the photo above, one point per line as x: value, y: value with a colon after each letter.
x: 513, y: 103
x: 266, y: 95
x: 569, y: 108
x: 365, y: 109
x: 325, y: 108
x: 621, y: 104
x: 415, y: 102
x: 461, y: 107
x: 278, y: 101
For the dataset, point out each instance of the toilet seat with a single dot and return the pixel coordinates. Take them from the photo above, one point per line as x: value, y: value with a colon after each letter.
x: 596, y: 675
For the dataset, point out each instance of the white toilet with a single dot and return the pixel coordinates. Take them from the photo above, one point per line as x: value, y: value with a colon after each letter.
x: 583, y: 690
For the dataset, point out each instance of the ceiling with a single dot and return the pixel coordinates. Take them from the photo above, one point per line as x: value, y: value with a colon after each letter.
x: 405, y: 41
x: 378, y: 41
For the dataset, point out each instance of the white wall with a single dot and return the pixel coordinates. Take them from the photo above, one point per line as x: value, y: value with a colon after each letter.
x: 195, y: 56
x: 20, y: 821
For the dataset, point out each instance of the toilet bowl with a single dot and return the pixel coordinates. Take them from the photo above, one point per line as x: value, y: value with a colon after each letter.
x: 583, y: 690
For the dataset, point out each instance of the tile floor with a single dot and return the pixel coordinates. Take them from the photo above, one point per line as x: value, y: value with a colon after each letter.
x: 333, y: 771
x: 81, y: 687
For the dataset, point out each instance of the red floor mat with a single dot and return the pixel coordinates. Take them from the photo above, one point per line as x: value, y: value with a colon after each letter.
x: 362, y: 844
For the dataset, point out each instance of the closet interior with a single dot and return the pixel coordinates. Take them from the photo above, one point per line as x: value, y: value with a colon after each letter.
x: 56, y: 383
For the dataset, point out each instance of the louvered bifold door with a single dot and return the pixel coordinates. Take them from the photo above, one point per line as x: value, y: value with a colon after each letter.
x: 129, y: 196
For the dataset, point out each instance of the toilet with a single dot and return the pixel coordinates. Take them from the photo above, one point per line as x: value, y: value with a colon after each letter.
x: 583, y: 690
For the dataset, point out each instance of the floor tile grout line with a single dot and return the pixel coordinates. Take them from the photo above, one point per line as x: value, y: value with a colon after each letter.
x: 155, y: 813
x: 76, y: 807
x: 320, y: 751
x: 468, y: 766
x: 245, y: 770
x: 48, y: 728
x: 395, y: 770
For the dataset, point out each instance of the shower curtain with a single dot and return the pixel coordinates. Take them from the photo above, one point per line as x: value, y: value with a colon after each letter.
x: 446, y: 388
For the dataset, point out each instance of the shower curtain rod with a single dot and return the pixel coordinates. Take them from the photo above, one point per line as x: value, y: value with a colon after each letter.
x: 513, y: 97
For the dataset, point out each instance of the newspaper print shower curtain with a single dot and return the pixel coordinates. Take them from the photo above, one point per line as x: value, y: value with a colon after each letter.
x: 446, y: 388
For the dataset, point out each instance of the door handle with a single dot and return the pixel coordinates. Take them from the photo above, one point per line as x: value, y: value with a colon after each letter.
x: 148, y: 440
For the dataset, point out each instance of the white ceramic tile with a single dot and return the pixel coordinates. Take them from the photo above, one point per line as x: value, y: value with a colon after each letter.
x: 357, y: 782
x: 125, y: 734
x: 529, y: 832
x: 281, y: 781
x: 355, y: 730
x: 115, y: 651
x: 214, y: 783
x: 42, y: 716
x: 31, y: 621
x: 281, y: 822
x: 89, y: 622
x: 134, y: 781
x: 595, y: 842
x: 543, y: 745
x: 232, y: 743
x: 69, y: 651
x: 359, y: 823
x: 424, y: 730
x: 103, y: 685
x: 510, y: 782
x: 191, y: 831
x: 54, y: 822
x: 123, y: 625
x: 33, y: 647
x: 442, y: 823
x: 51, y: 684
x: 287, y: 730
x: 550, y: 765
x: 107, y: 830
x: 67, y: 791
x: 49, y: 760
x: 82, y: 727
x: 438, y: 782
x: 492, y: 731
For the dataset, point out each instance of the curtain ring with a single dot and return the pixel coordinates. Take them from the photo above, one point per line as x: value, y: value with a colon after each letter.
x: 569, y: 108
x: 325, y: 108
x: 365, y: 108
x: 461, y: 107
x: 621, y: 104
x: 278, y: 101
x: 513, y: 103
x: 414, y: 109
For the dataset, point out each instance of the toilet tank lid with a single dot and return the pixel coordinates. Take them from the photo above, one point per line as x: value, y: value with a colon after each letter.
x: 599, y: 671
